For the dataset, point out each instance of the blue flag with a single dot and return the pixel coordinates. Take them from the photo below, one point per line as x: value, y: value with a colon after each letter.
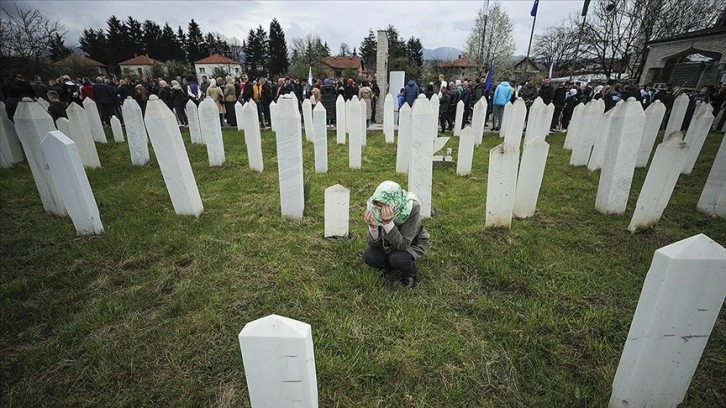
x: 533, y: 13
x: 488, y: 82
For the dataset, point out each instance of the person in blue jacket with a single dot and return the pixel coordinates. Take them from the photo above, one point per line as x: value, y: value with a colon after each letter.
x: 410, y: 92
x: 502, y: 95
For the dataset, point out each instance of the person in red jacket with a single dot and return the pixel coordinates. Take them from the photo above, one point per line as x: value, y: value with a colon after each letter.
x: 87, y: 90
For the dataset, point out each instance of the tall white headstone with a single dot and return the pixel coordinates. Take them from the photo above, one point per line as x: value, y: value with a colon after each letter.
x: 678, y: 113
x: 659, y: 183
x: 501, y: 185
x: 10, y: 148
x: 307, y: 108
x: 515, y: 123
x: 653, y: 119
x: 435, y: 103
x: 620, y: 155
x: 459, y: 118
x: 403, y: 150
x: 362, y: 123
x: 45, y: 104
x: 321, y: 139
x: 337, y: 204
x: 253, y: 138
x: 681, y: 298
x: 696, y: 136
x: 94, y: 120
x: 353, y: 115
x: 538, y: 121
x: 64, y: 126
x: 582, y: 146
x: 388, y: 107
x: 298, y: 129
x: 117, y: 130
x: 172, y: 158
x: 713, y: 199
x: 506, y: 116
x: 195, y: 130
x: 290, y: 158
x: 466, y: 152
x: 212, y: 131
x: 601, y: 138
x: 576, y: 127
x: 422, y: 148
x: 273, y: 115
x: 340, y: 120
x: 529, y: 180
x: 81, y: 135
x: 239, y: 116
x: 66, y: 168
x: 136, y: 132
x: 278, y: 350
x: 478, y: 120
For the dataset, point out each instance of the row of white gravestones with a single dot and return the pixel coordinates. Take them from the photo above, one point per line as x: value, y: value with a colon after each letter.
x: 172, y: 157
x: 713, y: 198
x: 539, y: 120
x: 422, y: 151
x: 117, y: 130
x: 388, y: 119
x: 680, y: 301
x: 32, y: 124
x: 403, y: 149
x: 597, y: 156
x: 695, y: 137
x: 478, y: 120
x: 459, y: 118
x: 337, y: 211
x: 212, y: 131
x: 136, y: 132
x: 340, y: 120
x: 529, y: 178
x: 678, y: 113
x: 66, y: 169
x: 659, y: 183
x: 253, y: 137
x: 195, y: 130
x: 11, y: 151
x: 653, y: 119
x: 353, y: 117
x: 573, y: 129
x: 273, y: 115
x: 621, y: 153
x: 320, y: 138
x: 290, y: 158
x: 582, y: 144
x: 80, y: 133
x: 501, y: 185
x: 466, y: 152
x: 514, y: 124
x: 239, y: 116
x: 307, y: 109
x: 94, y: 120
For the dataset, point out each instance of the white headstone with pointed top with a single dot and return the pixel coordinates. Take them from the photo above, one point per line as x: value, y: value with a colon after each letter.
x: 678, y: 113
x: 10, y: 149
x: 195, y: 130
x: 576, y: 126
x: 582, y: 145
x: 94, y: 120
x: 388, y: 128
x: 253, y: 137
x: 601, y: 138
x: 466, y: 152
x: 501, y: 185
x: 713, y: 196
x: 117, y: 130
x: 136, y: 132
x: 696, y: 136
x: 423, y: 119
x: 478, y: 120
x: 529, y: 180
x: 403, y: 150
x: 362, y: 123
x: 238, y: 115
x: 506, y: 116
x: 307, y: 108
x: 290, y: 158
x: 337, y: 204
x: 212, y: 131
x: 515, y: 124
x: 340, y: 120
x: 273, y: 115
x: 80, y: 133
x: 458, y: 118
x: 653, y: 119
x: 353, y: 115
x: 321, y: 138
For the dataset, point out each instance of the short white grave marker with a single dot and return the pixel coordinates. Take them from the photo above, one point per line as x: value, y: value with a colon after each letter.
x: 337, y: 213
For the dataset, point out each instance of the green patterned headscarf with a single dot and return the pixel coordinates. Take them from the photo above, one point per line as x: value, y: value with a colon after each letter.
x: 391, y: 194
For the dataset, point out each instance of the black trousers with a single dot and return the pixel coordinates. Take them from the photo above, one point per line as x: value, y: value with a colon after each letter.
x: 399, y: 260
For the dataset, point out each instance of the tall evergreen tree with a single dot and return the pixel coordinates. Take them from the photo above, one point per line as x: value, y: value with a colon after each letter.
x: 256, y: 51
x: 135, y: 35
x: 277, y: 50
x: 368, y: 49
x: 168, y: 48
x: 195, y: 42
x: 119, y: 48
x: 396, y: 46
x: 58, y: 49
x: 151, y: 40
x: 94, y: 43
x: 181, y: 38
x: 415, y: 51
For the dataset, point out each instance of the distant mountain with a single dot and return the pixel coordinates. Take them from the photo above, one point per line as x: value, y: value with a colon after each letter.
x: 441, y: 53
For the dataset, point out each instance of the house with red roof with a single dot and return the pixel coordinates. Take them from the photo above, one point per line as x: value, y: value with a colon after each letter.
x: 80, y: 59
x: 337, y: 66
x: 139, y: 65
x: 207, y: 66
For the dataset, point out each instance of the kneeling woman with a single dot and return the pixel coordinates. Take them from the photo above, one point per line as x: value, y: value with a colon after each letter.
x: 396, y: 237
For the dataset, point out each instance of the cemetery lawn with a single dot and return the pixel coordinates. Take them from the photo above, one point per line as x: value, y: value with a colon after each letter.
x: 148, y: 313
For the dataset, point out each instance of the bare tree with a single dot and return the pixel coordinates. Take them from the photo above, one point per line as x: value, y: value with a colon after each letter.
x: 344, y: 50
x: 554, y: 47
x: 497, y: 45
x: 27, y: 35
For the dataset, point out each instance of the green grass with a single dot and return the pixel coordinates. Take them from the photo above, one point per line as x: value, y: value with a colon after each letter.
x: 147, y: 314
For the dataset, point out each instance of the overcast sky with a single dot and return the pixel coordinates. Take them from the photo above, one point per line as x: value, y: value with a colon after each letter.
x: 436, y: 23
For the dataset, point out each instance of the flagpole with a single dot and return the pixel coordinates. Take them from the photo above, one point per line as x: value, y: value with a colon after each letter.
x: 529, y: 47
x: 577, y: 47
x: 485, y: 8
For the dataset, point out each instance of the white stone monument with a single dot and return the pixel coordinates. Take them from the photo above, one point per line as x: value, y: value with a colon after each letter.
x: 321, y: 138
x: 298, y: 129
x: 64, y: 126
x: 307, y: 108
x: 621, y: 153
x: 696, y: 136
x: 353, y: 116
x: 45, y: 104
x: 529, y: 180
x: 340, y: 120
x: 337, y: 213
x: 388, y: 108
x: 681, y: 298
x: 713, y: 199
x: 195, y: 130
x: 478, y: 120
x: 290, y: 158
x: 66, y: 168
x: 458, y: 118
x: 538, y: 121
x: 501, y: 185
x: 435, y: 103
x: 279, y: 361
x: 506, y: 116
x: 466, y: 152
x: 362, y: 123
x: 10, y: 149
x: 515, y: 123
x: 659, y: 183
x: 653, y: 119
x: 33, y: 124
x: 576, y: 126
x: 94, y: 120
x: 172, y: 158
x: 601, y: 138
x: 582, y: 146
x: 212, y: 131
x: 117, y: 130
x: 253, y: 137
x: 678, y: 113
x: 422, y: 151
x: 273, y: 115
x: 80, y: 133
x: 136, y: 132
x: 238, y: 115
x: 403, y: 150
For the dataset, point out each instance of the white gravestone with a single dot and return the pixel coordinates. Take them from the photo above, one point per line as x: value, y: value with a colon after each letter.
x: 347, y: 117
x: 64, y: 125
x: 458, y: 118
x: 117, y: 130
x: 273, y: 115
x: 195, y: 131
x: 80, y: 133
x: 515, y: 123
x: 681, y: 298
x: 422, y: 150
x: 601, y: 138
x: 290, y: 158
x: 298, y: 115
x: 353, y: 116
x: 466, y: 152
x: 501, y: 185
x: 575, y: 128
x: 582, y: 145
x: 253, y: 137
x: 659, y: 183
x: 388, y: 107
x: 678, y: 113
x: 340, y: 110
x: 653, y: 119
x: 337, y: 204
x: 172, y: 158
x: 307, y: 108
x: 212, y: 131
x: 66, y: 168
x: 435, y: 103
x: 696, y: 136
x: 320, y: 138
x: 238, y: 115
x: 478, y: 120
x: 537, y: 122
x: 136, y: 132
x: 529, y: 180
x: 362, y: 123
x: 621, y: 152
x: 713, y: 199
x: 32, y: 124
x: 506, y: 115
x: 403, y: 149
x: 278, y: 350
x: 45, y: 104
x: 94, y: 119
x: 10, y: 148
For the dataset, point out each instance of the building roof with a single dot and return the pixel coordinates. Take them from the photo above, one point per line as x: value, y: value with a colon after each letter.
x: 343, y: 62
x: 539, y: 67
x: 80, y: 59
x: 216, y: 59
x: 461, y: 62
x: 139, y: 60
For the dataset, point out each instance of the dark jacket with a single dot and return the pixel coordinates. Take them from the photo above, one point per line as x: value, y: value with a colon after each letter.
x: 104, y: 94
x: 349, y: 91
x: 410, y: 236
x: 559, y: 97
x: 165, y: 96
x: 410, y: 92
x: 57, y: 110
x: 547, y: 93
x: 329, y: 96
x: 444, y: 103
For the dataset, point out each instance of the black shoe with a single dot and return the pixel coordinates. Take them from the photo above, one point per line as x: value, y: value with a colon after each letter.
x: 409, y: 282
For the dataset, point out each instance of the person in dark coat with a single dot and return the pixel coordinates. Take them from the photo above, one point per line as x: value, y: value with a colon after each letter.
x: 329, y: 96
x: 466, y: 98
x: 56, y: 109
x: 105, y: 100
x: 429, y: 91
x: 444, y: 106
x: 411, y: 91
x: 546, y: 91
x: 569, y: 109
x: 164, y: 94
x: 179, y: 100
x: 559, y: 97
x: 350, y: 89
